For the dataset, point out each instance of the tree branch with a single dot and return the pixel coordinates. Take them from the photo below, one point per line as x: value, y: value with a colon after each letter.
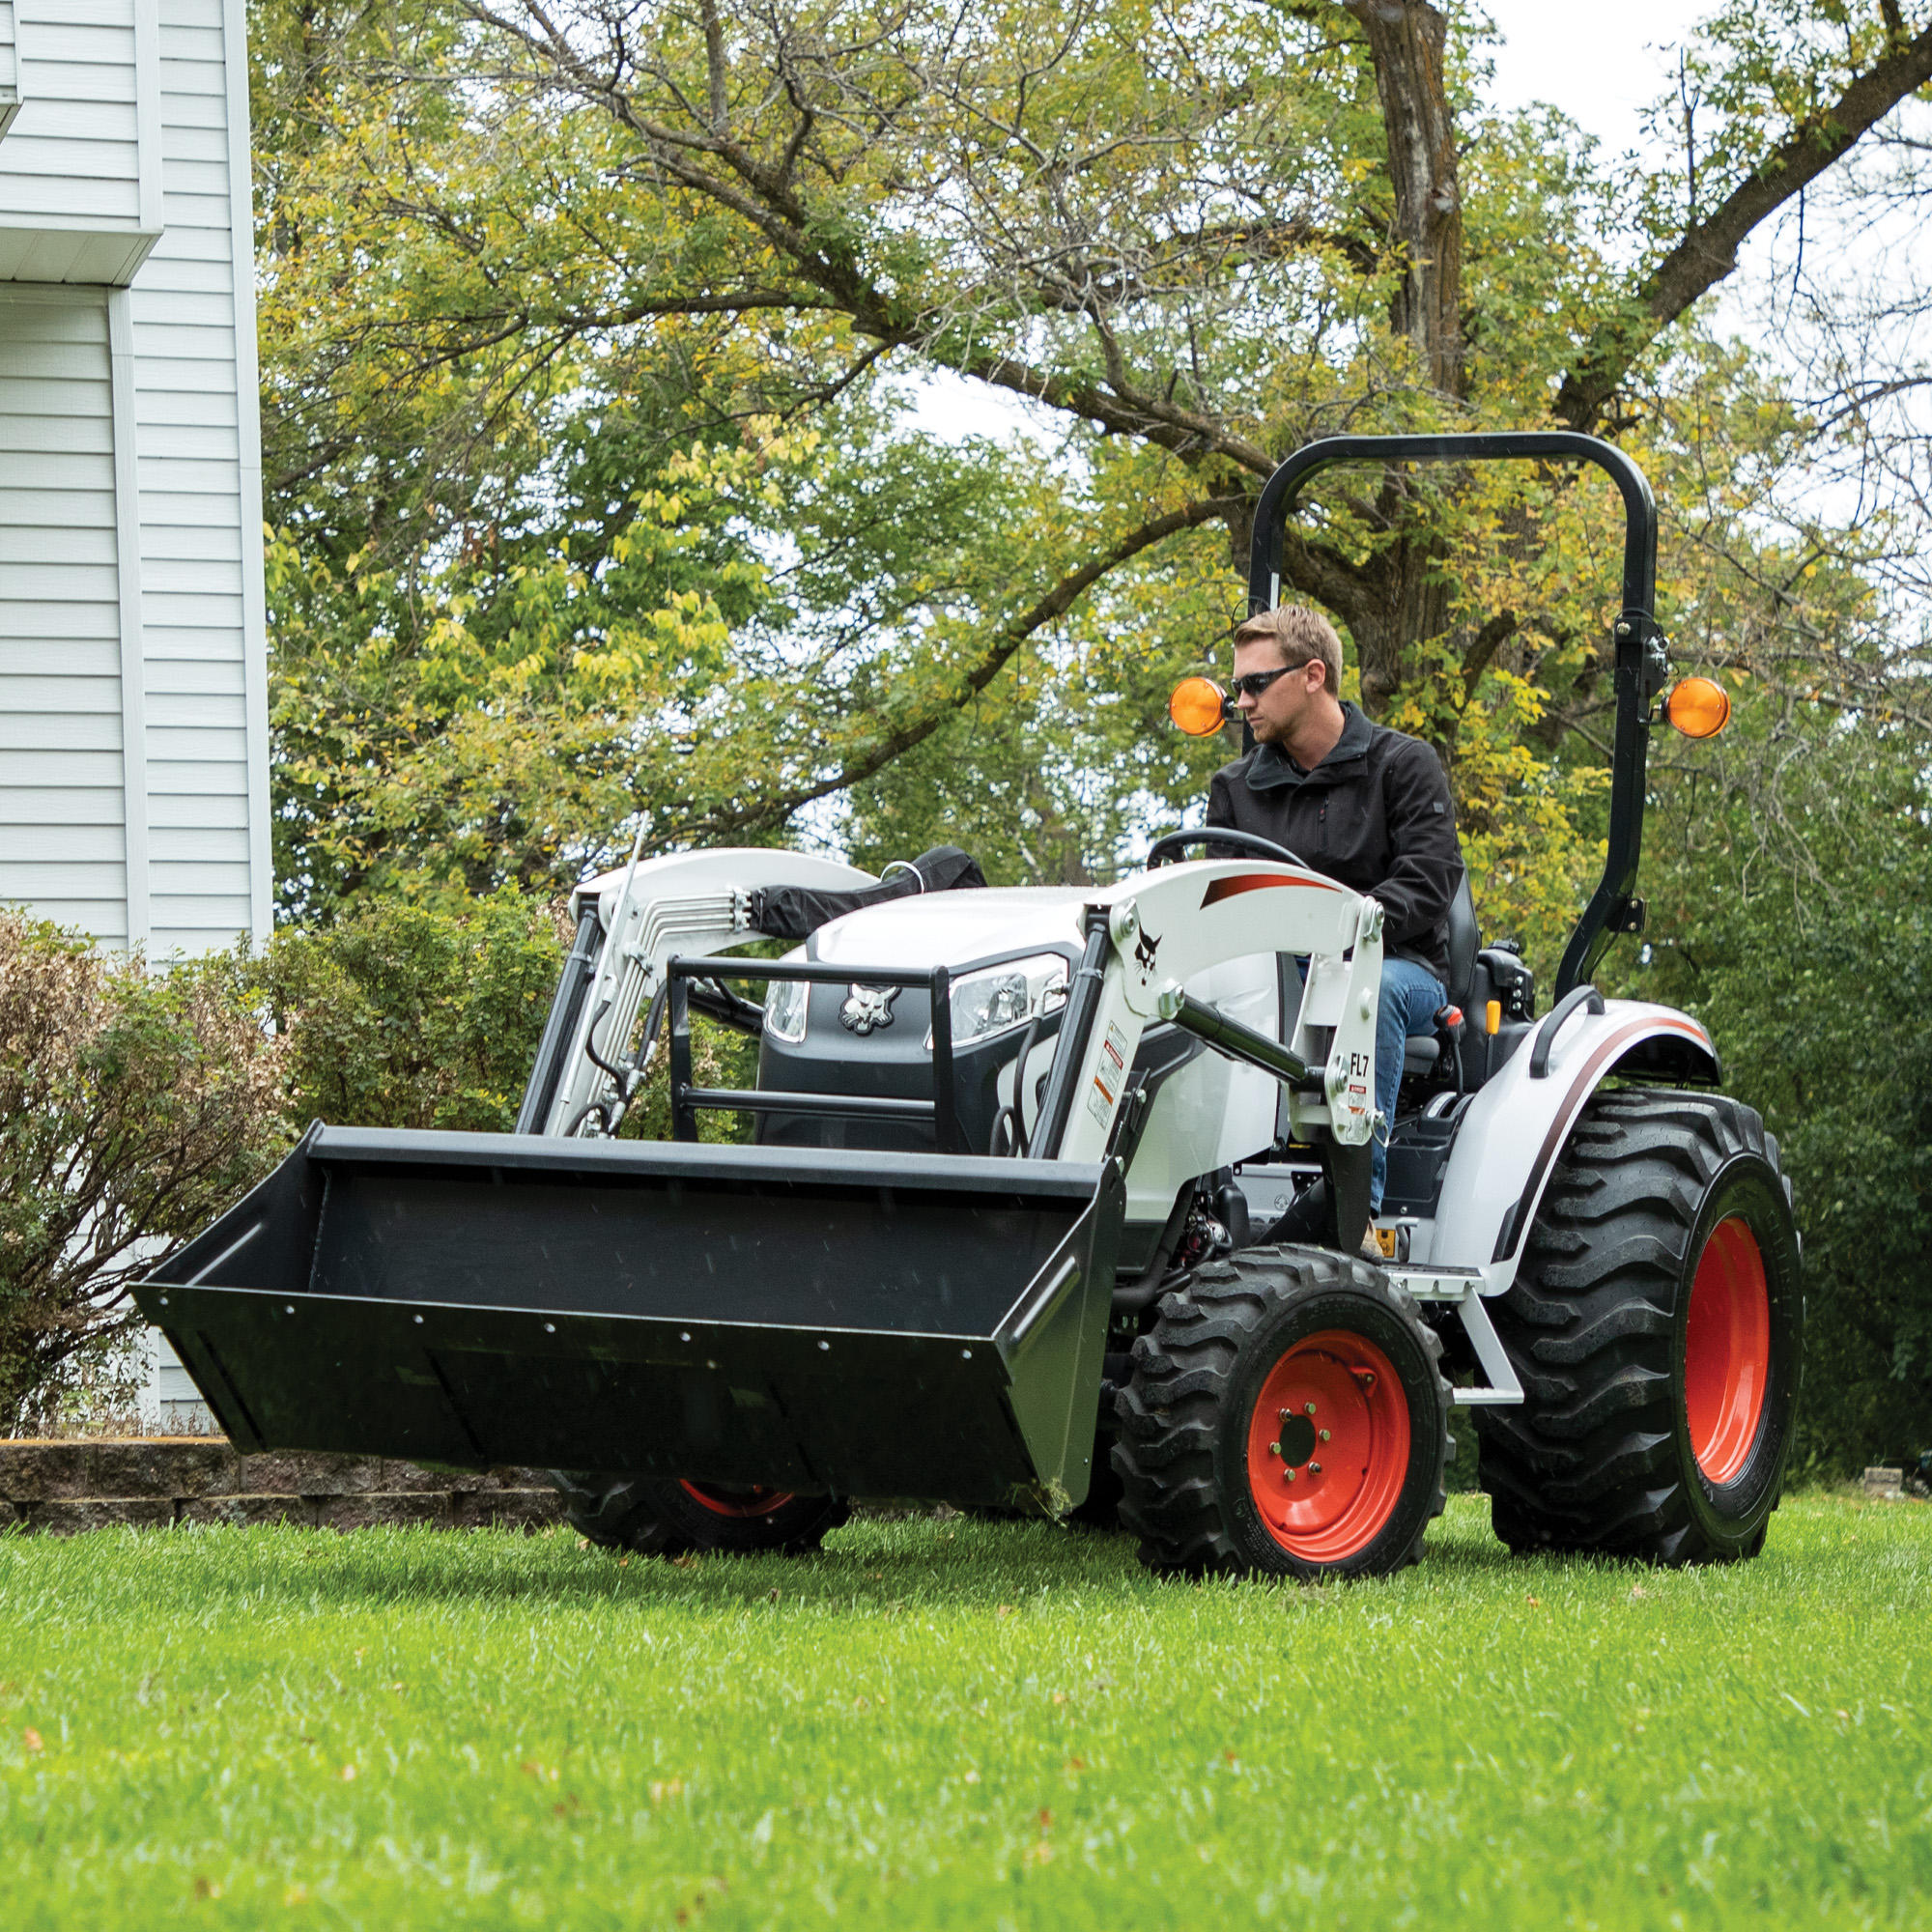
x: 1708, y: 250
x: 1487, y: 642
x: 767, y: 815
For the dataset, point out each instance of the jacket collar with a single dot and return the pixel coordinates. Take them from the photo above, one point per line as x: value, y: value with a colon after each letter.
x: 1270, y: 768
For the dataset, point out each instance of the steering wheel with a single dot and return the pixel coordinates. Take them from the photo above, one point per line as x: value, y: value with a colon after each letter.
x: 1170, y: 844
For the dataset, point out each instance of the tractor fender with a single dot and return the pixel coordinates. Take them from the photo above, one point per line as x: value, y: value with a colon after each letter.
x: 1506, y: 1148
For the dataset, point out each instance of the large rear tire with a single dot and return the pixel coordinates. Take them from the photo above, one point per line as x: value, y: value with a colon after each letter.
x: 1286, y: 1416
x: 1656, y: 1325
x: 657, y: 1516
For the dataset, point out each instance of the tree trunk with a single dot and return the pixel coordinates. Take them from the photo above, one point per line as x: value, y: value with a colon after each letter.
x: 1406, y: 42
x: 1402, y: 598
x: 1413, y: 605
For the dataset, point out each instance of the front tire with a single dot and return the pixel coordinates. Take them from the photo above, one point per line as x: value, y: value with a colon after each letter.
x: 1657, y: 1325
x: 657, y: 1515
x: 1286, y: 1416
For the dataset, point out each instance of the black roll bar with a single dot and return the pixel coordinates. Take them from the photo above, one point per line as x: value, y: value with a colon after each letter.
x: 1642, y: 656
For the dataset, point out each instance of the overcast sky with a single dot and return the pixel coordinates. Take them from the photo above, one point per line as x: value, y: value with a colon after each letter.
x: 1601, y: 66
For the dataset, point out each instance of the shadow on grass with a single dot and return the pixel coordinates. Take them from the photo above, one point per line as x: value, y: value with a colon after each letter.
x: 874, y: 1565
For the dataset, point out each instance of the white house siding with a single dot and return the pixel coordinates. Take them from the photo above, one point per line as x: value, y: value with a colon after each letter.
x: 63, y: 845
x: 10, y: 67
x: 200, y: 517
x: 70, y: 200
x: 140, y: 809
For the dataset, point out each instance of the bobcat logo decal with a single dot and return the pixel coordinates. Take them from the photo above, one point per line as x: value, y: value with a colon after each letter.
x: 1146, y: 946
x: 868, y: 1007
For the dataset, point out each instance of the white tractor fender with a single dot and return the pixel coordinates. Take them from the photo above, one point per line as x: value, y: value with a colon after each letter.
x: 1508, y: 1144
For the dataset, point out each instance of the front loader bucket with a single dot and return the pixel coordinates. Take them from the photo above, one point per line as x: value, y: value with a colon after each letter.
x: 853, y: 1322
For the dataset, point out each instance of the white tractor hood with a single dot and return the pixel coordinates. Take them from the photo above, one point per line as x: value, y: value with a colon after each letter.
x: 956, y: 929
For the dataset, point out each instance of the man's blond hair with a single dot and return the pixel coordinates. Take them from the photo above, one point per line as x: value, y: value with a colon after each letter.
x: 1302, y: 636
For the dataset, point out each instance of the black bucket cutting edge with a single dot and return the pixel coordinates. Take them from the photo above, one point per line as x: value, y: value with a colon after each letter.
x: 854, y: 1323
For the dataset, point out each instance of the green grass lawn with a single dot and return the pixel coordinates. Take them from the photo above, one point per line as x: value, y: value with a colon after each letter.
x: 960, y: 1725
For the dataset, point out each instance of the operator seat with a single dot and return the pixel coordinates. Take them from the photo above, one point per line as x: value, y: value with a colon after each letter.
x: 1420, y: 1054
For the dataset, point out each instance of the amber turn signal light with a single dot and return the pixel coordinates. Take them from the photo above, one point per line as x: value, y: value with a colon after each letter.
x: 1698, y: 707
x: 1198, y: 706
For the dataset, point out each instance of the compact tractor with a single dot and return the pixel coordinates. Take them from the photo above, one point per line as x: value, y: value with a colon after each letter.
x: 1055, y: 1202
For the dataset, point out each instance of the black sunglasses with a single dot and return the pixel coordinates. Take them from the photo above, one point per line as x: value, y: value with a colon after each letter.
x: 1255, y: 682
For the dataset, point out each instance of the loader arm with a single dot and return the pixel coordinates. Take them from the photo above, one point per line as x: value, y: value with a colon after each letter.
x: 1152, y: 933
x: 628, y: 924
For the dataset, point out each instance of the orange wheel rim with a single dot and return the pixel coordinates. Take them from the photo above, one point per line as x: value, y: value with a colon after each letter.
x: 755, y: 1501
x: 1328, y: 1447
x: 1727, y: 1350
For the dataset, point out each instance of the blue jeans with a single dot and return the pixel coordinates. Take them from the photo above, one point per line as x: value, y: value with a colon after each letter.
x: 1411, y: 998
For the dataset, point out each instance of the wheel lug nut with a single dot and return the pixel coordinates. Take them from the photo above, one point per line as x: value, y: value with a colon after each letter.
x: 1324, y: 1434
x: 1308, y: 1408
x: 1290, y: 1475
x: 1315, y: 1468
x: 1274, y: 1448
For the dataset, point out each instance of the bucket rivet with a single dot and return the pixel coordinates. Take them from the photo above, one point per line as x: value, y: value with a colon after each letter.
x: 419, y: 1319
x: 825, y: 1344
x: 292, y: 1310
x: 685, y: 1336
x: 965, y: 1354
x: 550, y: 1327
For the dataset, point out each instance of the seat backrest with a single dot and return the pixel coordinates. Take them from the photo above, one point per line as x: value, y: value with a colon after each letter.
x: 1464, y: 943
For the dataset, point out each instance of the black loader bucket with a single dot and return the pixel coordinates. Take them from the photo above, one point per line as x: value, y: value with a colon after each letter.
x: 858, y: 1323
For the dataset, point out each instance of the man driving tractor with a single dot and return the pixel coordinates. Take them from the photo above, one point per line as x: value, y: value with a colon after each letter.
x: 1356, y: 802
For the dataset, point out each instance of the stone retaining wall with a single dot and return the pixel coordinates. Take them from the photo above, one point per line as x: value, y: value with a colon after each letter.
x: 152, y: 1483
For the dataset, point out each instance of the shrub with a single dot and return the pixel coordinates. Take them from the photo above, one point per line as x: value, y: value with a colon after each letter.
x: 404, y: 1016
x: 1828, y: 1033
x: 1793, y: 914
x: 134, y: 1106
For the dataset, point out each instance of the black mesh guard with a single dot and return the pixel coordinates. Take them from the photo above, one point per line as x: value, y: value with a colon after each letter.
x: 796, y: 912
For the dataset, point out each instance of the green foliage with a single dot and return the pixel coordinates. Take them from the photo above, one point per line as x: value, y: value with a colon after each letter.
x: 960, y: 1725
x: 599, y: 495
x: 403, y: 1016
x: 134, y: 1109
x: 1795, y: 919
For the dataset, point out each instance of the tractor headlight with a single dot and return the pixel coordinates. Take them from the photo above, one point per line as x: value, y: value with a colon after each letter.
x: 784, y: 1009
x: 999, y: 998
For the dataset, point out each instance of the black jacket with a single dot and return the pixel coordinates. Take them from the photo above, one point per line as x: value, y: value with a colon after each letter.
x: 1375, y: 815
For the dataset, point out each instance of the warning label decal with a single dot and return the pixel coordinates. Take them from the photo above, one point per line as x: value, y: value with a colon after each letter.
x: 1108, y: 1077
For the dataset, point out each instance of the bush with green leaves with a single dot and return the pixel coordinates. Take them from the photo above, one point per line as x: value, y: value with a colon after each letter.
x: 404, y: 1016
x: 138, y: 1104
x: 134, y: 1106
x: 1791, y: 911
